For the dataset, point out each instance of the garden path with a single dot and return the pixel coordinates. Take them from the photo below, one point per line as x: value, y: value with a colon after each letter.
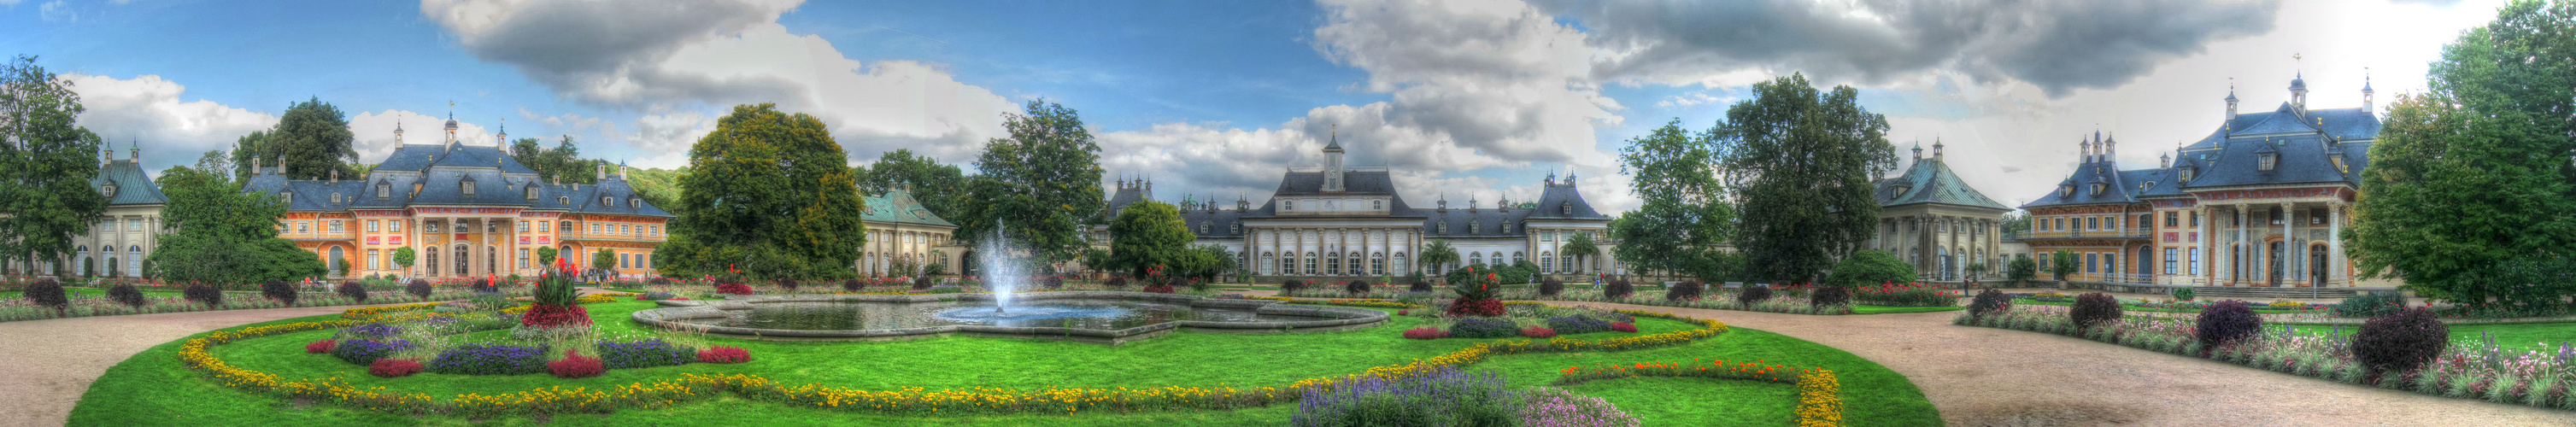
x: 1996, y: 377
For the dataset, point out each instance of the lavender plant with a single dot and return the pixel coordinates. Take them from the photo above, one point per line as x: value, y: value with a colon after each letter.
x: 1446, y: 397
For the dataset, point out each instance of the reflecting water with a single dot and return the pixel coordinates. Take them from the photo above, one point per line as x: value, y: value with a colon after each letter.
x: 1063, y: 313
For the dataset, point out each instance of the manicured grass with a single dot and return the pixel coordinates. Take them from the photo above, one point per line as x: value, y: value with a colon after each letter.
x: 153, y: 388
x: 1880, y: 309
x: 2511, y: 336
x: 1666, y: 401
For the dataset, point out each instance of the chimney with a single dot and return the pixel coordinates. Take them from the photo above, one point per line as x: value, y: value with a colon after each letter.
x: 603, y: 171
x: 281, y: 164
x: 335, y: 176
x: 107, y: 156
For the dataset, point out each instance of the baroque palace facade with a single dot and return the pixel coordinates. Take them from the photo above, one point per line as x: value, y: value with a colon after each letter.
x: 2261, y: 201
x: 467, y: 211
x: 1343, y: 221
x: 130, y: 229
x: 902, y: 232
x: 1936, y: 222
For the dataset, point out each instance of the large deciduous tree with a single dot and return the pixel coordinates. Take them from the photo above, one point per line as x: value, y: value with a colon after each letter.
x: 562, y: 162
x: 1800, y: 162
x: 312, y: 139
x: 222, y: 235
x: 1686, y: 217
x: 770, y: 194
x: 2469, y: 185
x: 46, y: 161
x: 939, y: 187
x: 1040, y: 187
x: 1147, y: 234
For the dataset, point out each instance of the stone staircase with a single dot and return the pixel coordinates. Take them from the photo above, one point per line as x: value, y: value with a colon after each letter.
x: 2265, y: 293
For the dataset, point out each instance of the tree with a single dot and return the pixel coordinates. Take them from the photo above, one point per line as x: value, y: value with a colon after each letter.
x: 1975, y: 268
x: 2468, y: 185
x: 562, y: 162
x: 1800, y: 162
x: 2015, y: 223
x: 937, y: 186
x: 2022, y: 270
x: 546, y: 256
x: 1097, y: 260
x: 404, y: 256
x: 245, y: 155
x: 46, y: 161
x: 1685, y: 218
x: 312, y: 139
x: 769, y: 194
x: 1042, y: 184
x: 1146, y: 234
x: 340, y: 267
x: 603, y: 260
x: 2062, y: 263
x: 1581, y: 248
x: 1439, y: 255
x: 1868, y: 268
x: 223, y: 235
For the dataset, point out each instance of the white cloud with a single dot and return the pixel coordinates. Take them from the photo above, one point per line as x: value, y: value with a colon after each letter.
x: 682, y: 61
x: 57, y: 11
x: 148, y: 111
x: 374, y: 132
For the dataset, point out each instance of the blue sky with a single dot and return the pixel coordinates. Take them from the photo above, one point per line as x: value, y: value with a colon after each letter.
x: 1462, y: 97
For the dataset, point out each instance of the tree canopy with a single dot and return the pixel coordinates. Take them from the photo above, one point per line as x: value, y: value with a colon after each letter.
x: 1147, y: 234
x: 1438, y: 255
x: 1800, y: 163
x: 1040, y: 186
x: 770, y: 194
x: 1686, y: 217
x: 1582, y: 248
x: 1870, y: 268
x: 313, y: 139
x: 2469, y: 185
x: 46, y: 161
x: 939, y: 187
x: 563, y: 161
x: 222, y: 235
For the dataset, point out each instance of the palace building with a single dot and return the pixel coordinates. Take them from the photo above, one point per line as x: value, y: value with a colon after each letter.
x: 2259, y: 202
x: 903, y: 232
x: 131, y: 227
x: 467, y: 211
x: 1931, y: 219
x: 1345, y: 221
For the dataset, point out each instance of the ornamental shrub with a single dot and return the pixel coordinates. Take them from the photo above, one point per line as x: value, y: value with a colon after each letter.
x: 1292, y: 286
x: 393, y: 368
x: 490, y: 359
x: 1551, y: 287
x: 1487, y: 307
x: 575, y: 365
x: 1121, y: 282
x: 1057, y: 282
x: 1988, y: 302
x: 203, y: 294
x: 1753, y: 293
x: 2184, y: 294
x: 417, y: 288
x: 659, y: 281
x: 853, y: 285
x: 644, y: 354
x: 2226, y: 321
x: 1442, y: 397
x: 787, y: 285
x: 550, y: 316
x: 723, y: 354
x: 1540, y: 332
x: 371, y: 331
x: 1425, y: 334
x: 365, y: 352
x: 1867, y: 268
x: 2370, y: 305
x: 1829, y: 296
x: 124, y: 293
x: 1624, y: 327
x: 1483, y: 327
x: 1161, y: 289
x: 1617, y: 289
x: 733, y: 289
x: 1419, y: 286
x: 1194, y: 284
x: 2094, y: 308
x: 1577, y: 324
x: 320, y: 347
x: 1688, y: 290
x: 1357, y: 288
x: 46, y: 293
x: 354, y: 290
x: 2400, y: 341
x: 280, y: 291
x: 487, y: 286
x: 921, y: 282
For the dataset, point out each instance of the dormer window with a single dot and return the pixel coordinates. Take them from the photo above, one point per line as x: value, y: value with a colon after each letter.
x: 2098, y: 187
x: 532, y: 192
x: 1377, y: 204
x: 335, y: 198
x: 384, y: 190
x: 607, y: 201
x: 563, y: 200
x: 1565, y: 208
x: 1236, y: 228
x: 1288, y: 205
x: 1203, y: 228
x: 288, y: 196
x: 2269, y: 160
x: 1444, y: 228
x: 634, y: 202
x: 1472, y: 227
x: 2339, y: 167
x: 107, y: 190
x: 466, y: 187
x: 2065, y: 190
x: 2186, y: 174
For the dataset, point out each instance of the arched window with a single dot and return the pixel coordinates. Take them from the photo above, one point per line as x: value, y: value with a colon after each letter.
x: 1333, y: 263
x: 1475, y: 258
x: 431, y: 261
x: 1356, y: 268
x: 1269, y: 264
x: 1517, y: 258
x: 1310, y: 263
x: 1547, y: 261
x: 1402, y: 267
x: 1377, y: 263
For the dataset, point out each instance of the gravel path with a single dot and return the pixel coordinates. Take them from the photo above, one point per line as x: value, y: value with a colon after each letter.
x: 1997, y: 377
x: 50, y: 363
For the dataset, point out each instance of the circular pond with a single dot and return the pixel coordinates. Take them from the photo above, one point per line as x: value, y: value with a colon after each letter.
x: 1107, y: 317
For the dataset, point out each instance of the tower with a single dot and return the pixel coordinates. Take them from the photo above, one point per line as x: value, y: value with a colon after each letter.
x: 398, y: 139
x: 505, y: 133
x: 1918, y: 150
x: 2299, y: 93
x: 2231, y: 99
x: 1333, y: 161
x: 2110, y: 148
x: 1936, y: 148
x: 134, y: 151
x: 2083, y: 150
x: 2365, y: 90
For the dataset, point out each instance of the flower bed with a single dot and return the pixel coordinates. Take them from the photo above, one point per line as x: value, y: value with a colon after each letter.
x: 2465, y: 369
x: 1906, y: 295
x: 662, y: 393
x: 1819, y: 392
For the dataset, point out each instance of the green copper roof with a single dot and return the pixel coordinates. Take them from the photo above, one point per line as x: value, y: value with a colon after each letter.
x: 1930, y: 181
x: 132, y: 186
x: 899, y: 207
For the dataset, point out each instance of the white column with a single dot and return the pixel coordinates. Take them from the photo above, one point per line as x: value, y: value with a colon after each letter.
x: 2291, y: 252
x: 2334, y: 245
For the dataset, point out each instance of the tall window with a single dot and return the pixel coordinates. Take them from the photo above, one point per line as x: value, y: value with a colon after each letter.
x: 1377, y: 263
x: 2169, y: 254
x: 1310, y: 263
x: 1333, y: 263
x: 2088, y: 263
x: 1547, y: 261
x: 523, y: 226
x: 374, y: 263
x: 394, y: 226
x: 2195, y: 218
x: 371, y: 228
x: 523, y: 256
x: 2111, y: 263
x: 1400, y: 265
x: 338, y: 227
x: 2195, y: 261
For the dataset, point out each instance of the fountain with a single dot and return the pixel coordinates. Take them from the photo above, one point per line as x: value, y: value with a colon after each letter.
x: 1002, y: 272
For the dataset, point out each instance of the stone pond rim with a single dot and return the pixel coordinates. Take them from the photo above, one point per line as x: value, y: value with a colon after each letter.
x: 1337, y: 318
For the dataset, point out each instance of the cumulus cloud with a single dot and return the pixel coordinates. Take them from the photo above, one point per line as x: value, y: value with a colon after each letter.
x: 2058, y: 45
x: 373, y: 132
x: 675, y: 59
x: 148, y: 111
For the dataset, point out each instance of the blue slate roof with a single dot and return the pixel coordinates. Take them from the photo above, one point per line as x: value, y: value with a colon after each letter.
x: 419, y: 157
x: 1929, y: 180
x: 2304, y: 145
x: 133, y: 187
x: 2116, y: 187
x: 438, y: 175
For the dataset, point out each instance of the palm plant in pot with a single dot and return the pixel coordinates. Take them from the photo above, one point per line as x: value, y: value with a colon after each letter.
x: 555, y: 306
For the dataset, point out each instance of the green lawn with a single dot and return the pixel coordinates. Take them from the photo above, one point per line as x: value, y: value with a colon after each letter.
x: 1880, y: 309
x: 152, y: 388
x: 2511, y: 336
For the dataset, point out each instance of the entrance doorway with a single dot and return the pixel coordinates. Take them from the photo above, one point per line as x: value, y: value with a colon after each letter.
x: 2317, y: 267
x: 2272, y: 264
x: 464, y: 261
